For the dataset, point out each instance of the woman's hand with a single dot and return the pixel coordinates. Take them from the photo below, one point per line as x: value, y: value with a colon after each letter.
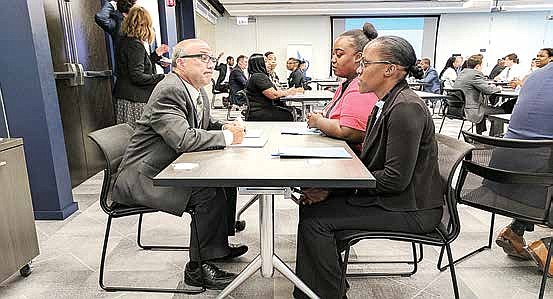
x: 162, y: 49
x: 313, y: 195
x: 313, y: 119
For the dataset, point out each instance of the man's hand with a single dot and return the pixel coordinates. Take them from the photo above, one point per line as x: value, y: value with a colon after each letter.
x: 162, y: 49
x: 313, y: 195
x: 238, y: 132
x: 313, y: 119
x: 220, y: 55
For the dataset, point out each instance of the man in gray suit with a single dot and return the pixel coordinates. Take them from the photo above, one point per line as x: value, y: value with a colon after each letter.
x: 177, y: 120
x: 471, y: 82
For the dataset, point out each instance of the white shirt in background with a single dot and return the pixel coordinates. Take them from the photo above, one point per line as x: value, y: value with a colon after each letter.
x: 516, y: 71
x: 449, y: 77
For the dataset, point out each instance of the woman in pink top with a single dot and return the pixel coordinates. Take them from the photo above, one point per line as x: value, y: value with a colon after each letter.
x: 345, y: 117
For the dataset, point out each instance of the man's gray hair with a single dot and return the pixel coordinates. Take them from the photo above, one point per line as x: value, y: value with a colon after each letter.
x: 177, y: 53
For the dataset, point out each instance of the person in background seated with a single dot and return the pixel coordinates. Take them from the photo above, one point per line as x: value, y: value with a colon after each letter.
x: 177, y: 120
x: 295, y: 79
x: 430, y: 77
x: 345, y: 117
x: 263, y: 96
x: 458, y: 64
x: 237, y: 81
x: 401, y: 152
x: 224, y: 72
x: 136, y: 73
x: 544, y: 57
x: 532, y: 119
x: 270, y: 57
x: 497, y: 69
x: 449, y: 73
x: 513, y: 70
x: 471, y: 81
x: 304, y: 66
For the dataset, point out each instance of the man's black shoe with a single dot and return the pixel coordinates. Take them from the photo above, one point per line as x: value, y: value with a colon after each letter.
x: 208, y: 276
x: 235, y: 251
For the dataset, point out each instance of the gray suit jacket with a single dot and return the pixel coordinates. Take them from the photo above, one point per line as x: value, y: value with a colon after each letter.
x: 168, y: 127
x: 472, y: 83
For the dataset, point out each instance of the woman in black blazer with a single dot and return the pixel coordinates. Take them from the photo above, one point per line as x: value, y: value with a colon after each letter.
x: 136, y: 76
x: 401, y: 152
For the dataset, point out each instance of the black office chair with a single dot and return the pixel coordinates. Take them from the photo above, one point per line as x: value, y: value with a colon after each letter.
x: 502, y: 170
x: 215, y: 92
x: 450, y: 154
x: 112, y: 142
x: 454, y: 108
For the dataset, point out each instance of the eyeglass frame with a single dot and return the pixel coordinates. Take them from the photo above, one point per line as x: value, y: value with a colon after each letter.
x: 201, y: 56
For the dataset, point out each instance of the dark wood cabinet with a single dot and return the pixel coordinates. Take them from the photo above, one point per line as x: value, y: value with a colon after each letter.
x: 18, y: 239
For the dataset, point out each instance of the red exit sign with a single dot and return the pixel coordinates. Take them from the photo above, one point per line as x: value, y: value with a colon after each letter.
x: 170, y: 3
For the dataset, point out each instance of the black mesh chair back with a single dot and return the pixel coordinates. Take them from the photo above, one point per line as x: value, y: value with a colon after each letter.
x: 454, y: 107
x: 112, y: 142
x: 510, y: 177
x: 451, y: 153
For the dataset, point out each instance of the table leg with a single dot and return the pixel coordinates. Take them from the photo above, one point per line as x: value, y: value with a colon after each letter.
x: 267, y: 260
x: 288, y: 273
x: 243, y: 276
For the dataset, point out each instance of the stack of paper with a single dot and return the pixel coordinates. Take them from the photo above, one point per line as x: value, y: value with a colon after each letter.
x: 251, y: 142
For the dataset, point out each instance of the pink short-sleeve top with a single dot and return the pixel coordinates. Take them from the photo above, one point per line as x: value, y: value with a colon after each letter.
x: 351, y: 108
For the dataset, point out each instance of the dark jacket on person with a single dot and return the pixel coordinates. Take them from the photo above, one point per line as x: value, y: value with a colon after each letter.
x: 222, y: 69
x: 237, y: 82
x: 401, y: 152
x: 296, y: 79
x: 497, y: 69
x: 168, y: 127
x: 110, y: 19
x: 136, y: 73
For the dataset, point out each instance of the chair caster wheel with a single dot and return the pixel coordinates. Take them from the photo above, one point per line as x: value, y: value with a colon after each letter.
x: 240, y: 225
x: 26, y: 270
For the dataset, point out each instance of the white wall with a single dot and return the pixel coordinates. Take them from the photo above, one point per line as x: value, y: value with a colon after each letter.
x: 523, y: 33
x: 274, y: 34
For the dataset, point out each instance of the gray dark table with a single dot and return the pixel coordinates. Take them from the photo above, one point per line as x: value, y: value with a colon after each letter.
x: 267, y: 176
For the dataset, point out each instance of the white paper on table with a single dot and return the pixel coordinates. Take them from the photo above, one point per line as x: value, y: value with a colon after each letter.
x: 253, y: 133
x: 251, y: 142
x: 312, y: 152
x: 185, y: 166
x: 300, y: 131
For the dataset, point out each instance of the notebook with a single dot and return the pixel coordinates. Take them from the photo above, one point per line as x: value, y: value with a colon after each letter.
x: 312, y: 152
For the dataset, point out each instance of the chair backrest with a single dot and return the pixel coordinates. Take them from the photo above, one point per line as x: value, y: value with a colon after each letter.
x: 454, y: 103
x: 510, y: 177
x: 112, y: 142
x: 451, y: 153
x: 213, y: 89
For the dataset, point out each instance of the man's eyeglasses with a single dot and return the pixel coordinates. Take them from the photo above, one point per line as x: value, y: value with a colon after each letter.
x: 203, y: 57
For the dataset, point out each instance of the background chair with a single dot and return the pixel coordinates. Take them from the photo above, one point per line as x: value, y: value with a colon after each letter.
x: 215, y: 92
x: 454, y: 108
x: 112, y: 142
x: 501, y: 171
x: 450, y: 154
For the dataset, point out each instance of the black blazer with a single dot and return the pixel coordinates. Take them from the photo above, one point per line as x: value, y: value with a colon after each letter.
x: 222, y: 69
x: 401, y: 152
x: 237, y: 80
x: 136, y: 73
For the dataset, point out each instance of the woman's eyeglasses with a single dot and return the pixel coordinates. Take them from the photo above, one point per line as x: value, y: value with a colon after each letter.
x: 363, y: 63
x: 203, y: 57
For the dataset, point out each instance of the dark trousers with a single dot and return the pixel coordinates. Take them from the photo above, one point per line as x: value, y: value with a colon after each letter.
x: 318, y: 256
x: 271, y: 113
x: 496, y: 127
x: 214, y: 223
